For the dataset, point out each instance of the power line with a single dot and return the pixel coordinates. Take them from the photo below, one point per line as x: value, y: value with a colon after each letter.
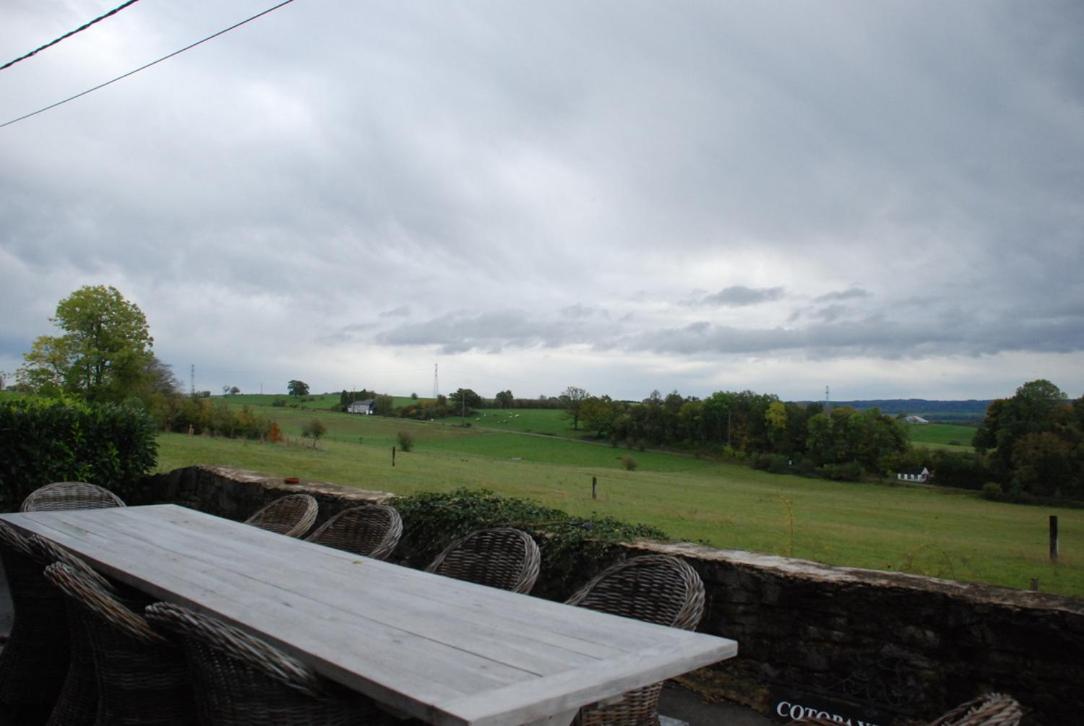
x: 80, y: 29
x: 148, y: 65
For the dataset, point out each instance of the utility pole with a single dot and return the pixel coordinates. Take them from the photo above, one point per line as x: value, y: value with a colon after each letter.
x: 192, y: 378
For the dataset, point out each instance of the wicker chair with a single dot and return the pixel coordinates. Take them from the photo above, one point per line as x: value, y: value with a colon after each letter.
x: 658, y: 589
x: 292, y: 515
x: 372, y: 531
x: 35, y: 671
x: 503, y: 557
x: 70, y: 495
x: 34, y: 662
x: 142, y: 678
x: 241, y: 680
x: 993, y: 709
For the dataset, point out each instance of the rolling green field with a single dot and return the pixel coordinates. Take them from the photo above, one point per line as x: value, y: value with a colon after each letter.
x: 938, y: 532
x: 943, y: 436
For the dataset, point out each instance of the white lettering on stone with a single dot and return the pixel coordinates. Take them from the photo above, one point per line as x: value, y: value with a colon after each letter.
x: 798, y: 712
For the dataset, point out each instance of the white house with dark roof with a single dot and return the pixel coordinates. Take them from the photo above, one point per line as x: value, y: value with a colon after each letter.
x: 915, y: 473
x: 365, y: 408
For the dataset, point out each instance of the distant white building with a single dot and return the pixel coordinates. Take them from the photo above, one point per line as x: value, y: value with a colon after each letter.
x: 366, y: 408
x: 918, y: 473
x: 913, y: 419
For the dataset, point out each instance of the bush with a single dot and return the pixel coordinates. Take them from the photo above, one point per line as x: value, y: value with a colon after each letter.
x: 573, y: 548
x: 279, y: 403
x: 628, y: 462
x: 991, y: 490
x: 314, y: 429
x: 850, y: 471
x: 778, y: 464
x: 406, y: 441
x: 202, y: 417
x: 49, y: 440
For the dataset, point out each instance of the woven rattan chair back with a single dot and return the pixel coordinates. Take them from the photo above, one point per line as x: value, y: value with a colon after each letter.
x: 292, y: 515
x: 34, y: 661
x: 240, y: 680
x: 655, y: 588
x: 503, y: 557
x: 993, y: 709
x: 372, y: 531
x: 70, y: 495
x: 44, y: 636
x: 142, y: 678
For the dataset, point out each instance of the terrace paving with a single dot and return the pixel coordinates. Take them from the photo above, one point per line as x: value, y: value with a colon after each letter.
x: 683, y: 705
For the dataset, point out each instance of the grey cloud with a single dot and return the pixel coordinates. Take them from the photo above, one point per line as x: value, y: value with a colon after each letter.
x: 524, y: 156
x: 830, y: 336
x: 848, y: 294
x: 872, y: 336
x: 740, y: 295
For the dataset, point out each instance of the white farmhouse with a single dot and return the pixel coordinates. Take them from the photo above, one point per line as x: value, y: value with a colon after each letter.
x: 365, y: 408
x: 917, y: 473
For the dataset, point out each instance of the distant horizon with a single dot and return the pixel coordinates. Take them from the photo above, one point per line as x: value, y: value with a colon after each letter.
x: 429, y: 396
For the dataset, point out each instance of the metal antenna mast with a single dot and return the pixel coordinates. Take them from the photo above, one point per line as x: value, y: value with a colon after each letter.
x: 436, y: 386
x: 192, y: 378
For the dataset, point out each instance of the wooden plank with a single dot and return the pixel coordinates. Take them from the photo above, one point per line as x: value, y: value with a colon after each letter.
x: 442, y: 650
x: 430, y: 614
x: 457, y: 599
x: 408, y: 673
x: 579, y: 687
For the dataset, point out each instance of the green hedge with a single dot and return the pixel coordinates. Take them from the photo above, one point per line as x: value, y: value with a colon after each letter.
x: 48, y: 440
x: 573, y: 549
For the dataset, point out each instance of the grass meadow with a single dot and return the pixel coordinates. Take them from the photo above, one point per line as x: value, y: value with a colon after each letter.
x: 944, y: 533
x: 953, y: 437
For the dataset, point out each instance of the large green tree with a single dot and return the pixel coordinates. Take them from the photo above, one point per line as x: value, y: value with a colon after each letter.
x: 573, y: 399
x: 104, y: 353
x: 464, y: 401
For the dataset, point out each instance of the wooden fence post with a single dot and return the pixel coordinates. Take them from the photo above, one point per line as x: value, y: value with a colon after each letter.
x: 594, y: 482
x: 1053, y: 538
x: 393, y: 456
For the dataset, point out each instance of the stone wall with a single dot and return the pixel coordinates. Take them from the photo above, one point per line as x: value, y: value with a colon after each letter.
x: 874, y: 647
x: 237, y: 494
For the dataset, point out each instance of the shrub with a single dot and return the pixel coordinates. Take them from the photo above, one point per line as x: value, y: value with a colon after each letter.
x: 274, y: 433
x: 279, y: 403
x: 628, y: 462
x: 849, y: 471
x: 573, y: 548
x: 778, y: 464
x: 406, y: 441
x: 314, y: 429
x: 48, y: 440
x: 219, y: 419
x: 991, y: 490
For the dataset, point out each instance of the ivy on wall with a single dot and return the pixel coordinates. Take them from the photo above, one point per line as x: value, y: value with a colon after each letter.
x: 573, y: 549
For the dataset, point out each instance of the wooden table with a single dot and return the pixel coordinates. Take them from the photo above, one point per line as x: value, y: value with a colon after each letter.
x: 444, y: 651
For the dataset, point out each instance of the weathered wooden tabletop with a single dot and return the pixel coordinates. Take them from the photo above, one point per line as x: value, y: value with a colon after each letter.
x: 441, y: 650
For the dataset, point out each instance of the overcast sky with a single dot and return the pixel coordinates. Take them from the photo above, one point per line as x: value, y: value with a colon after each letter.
x: 882, y: 197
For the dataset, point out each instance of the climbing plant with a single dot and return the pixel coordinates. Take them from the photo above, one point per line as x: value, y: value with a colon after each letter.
x: 573, y: 548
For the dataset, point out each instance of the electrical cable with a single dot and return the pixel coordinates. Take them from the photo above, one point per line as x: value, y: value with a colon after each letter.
x: 80, y: 29
x: 148, y: 65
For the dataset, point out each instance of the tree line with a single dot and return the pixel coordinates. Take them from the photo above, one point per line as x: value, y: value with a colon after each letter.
x: 841, y: 443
